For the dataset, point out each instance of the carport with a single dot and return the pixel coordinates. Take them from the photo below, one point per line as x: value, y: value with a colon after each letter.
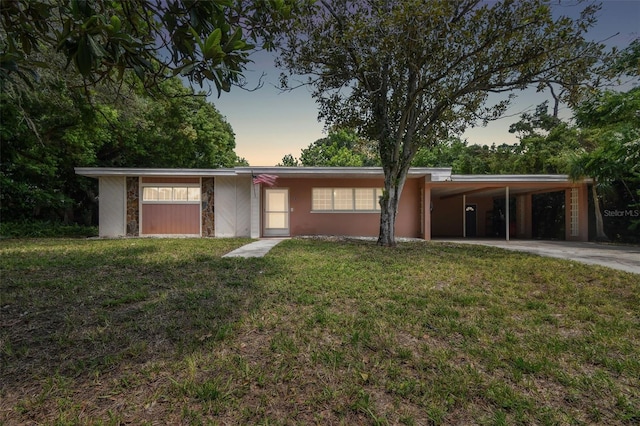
x: 466, y: 205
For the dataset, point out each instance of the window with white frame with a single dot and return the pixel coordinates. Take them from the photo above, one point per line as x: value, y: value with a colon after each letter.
x: 168, y: 194
x: 345, y: 199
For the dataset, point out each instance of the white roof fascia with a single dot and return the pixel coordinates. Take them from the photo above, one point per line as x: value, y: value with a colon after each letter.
x: 433, y: 174
x: 374, y: 172
x: 158, y: 172
x: 515, y: 178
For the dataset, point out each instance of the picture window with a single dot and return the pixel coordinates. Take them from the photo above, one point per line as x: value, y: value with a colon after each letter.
x: 345, y: 199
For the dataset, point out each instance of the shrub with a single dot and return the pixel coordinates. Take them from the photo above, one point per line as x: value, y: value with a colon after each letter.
x: 47, y: 229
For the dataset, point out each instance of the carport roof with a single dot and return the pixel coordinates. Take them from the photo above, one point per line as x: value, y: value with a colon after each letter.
x: 495, y: 185
x: 511, y: 178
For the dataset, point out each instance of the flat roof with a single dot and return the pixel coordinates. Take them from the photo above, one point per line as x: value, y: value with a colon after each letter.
x: 436, y: 173
x: 135, y: 171
x: 433, y: 174
x: 514, y: 178
x: 362, y: 172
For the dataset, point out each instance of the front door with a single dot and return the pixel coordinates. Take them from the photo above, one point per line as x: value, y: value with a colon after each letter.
x: 276, y: 212
x: 471, y: 220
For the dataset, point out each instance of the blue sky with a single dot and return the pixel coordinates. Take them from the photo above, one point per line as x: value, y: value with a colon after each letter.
x: 270, y: 124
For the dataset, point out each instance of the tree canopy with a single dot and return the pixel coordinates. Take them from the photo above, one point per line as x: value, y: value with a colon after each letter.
x: 341, y: 148
x: 611, y: 133
x: 408, y: 73
x: 47, y: 132
x: 95, y: 83
x: 203, y: 40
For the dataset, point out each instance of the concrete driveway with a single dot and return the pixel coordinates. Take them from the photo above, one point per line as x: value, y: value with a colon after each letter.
x: 624, y: 258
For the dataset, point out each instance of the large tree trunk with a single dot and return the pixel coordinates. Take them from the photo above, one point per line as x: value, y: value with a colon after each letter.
x: 600, y: 235
x: 393, y: 183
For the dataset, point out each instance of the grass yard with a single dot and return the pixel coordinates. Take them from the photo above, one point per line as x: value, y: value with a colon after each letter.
x: 144, y: 331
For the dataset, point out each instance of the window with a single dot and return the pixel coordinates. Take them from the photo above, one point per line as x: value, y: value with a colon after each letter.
x: 164, y: 194
x: 180, y: 194
x: 365, y: 199
x: 345, y: 199
x: 321, y: 199
x: 183, y: 194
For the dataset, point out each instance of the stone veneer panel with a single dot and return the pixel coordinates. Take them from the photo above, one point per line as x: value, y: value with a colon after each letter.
x: 133, y: 207
x: 208, y: 225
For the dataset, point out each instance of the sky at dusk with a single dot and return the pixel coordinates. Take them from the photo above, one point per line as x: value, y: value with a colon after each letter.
x: 269, y: 123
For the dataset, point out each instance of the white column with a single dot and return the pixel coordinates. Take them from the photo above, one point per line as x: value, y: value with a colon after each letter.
x: 256, y: 211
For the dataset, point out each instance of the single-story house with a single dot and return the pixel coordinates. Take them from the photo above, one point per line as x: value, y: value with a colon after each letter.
x: 245, y: 202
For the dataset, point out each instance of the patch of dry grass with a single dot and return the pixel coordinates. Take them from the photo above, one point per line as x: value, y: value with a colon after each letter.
x: 317, y: 332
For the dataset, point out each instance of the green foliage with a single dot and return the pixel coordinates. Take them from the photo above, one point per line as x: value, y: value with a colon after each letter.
x: 341, y: 148
x: 534, y: 124
x: 330, y: 155
x: 610, y: 125
x: 468, y: 159
x: 180, y: 130
x: 48, y: 131
x: 203, y: 40
x: 289, y: 161
x: 536, y: 153
x: 628, y: 62
x: 30, y: 229
x: 444, y: 154
x: 546, y: 146
x: 40, y: 146
x: 611, y: 128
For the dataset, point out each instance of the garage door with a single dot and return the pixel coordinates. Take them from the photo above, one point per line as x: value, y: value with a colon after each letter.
x: 170, y: 208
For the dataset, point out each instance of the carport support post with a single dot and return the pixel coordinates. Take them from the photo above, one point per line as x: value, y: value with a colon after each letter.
x: 506, y: 214
x: 427, y: 213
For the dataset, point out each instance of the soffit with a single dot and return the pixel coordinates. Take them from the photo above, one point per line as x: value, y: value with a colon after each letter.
x: 497, y: 188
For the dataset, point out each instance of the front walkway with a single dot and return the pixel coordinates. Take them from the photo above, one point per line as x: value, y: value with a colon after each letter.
x: 255, y: 249
x: 624, y: 258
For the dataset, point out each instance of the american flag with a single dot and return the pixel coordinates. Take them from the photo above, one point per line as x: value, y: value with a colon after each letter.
x: 268, y: 180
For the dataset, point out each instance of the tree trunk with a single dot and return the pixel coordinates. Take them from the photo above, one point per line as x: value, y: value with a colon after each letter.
x: 388, y: 210
x: 393, y: 184
x: 600, y: 235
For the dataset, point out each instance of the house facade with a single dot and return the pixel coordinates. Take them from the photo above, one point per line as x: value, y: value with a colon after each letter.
x: 326, y: 201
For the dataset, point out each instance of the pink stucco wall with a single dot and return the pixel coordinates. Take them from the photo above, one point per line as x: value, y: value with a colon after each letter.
x: 305, y: 222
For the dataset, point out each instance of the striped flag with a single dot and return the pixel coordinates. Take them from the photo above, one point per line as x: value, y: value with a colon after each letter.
x: 268, y: 180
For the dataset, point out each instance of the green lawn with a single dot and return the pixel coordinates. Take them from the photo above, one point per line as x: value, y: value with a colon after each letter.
x: 318, y: 332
